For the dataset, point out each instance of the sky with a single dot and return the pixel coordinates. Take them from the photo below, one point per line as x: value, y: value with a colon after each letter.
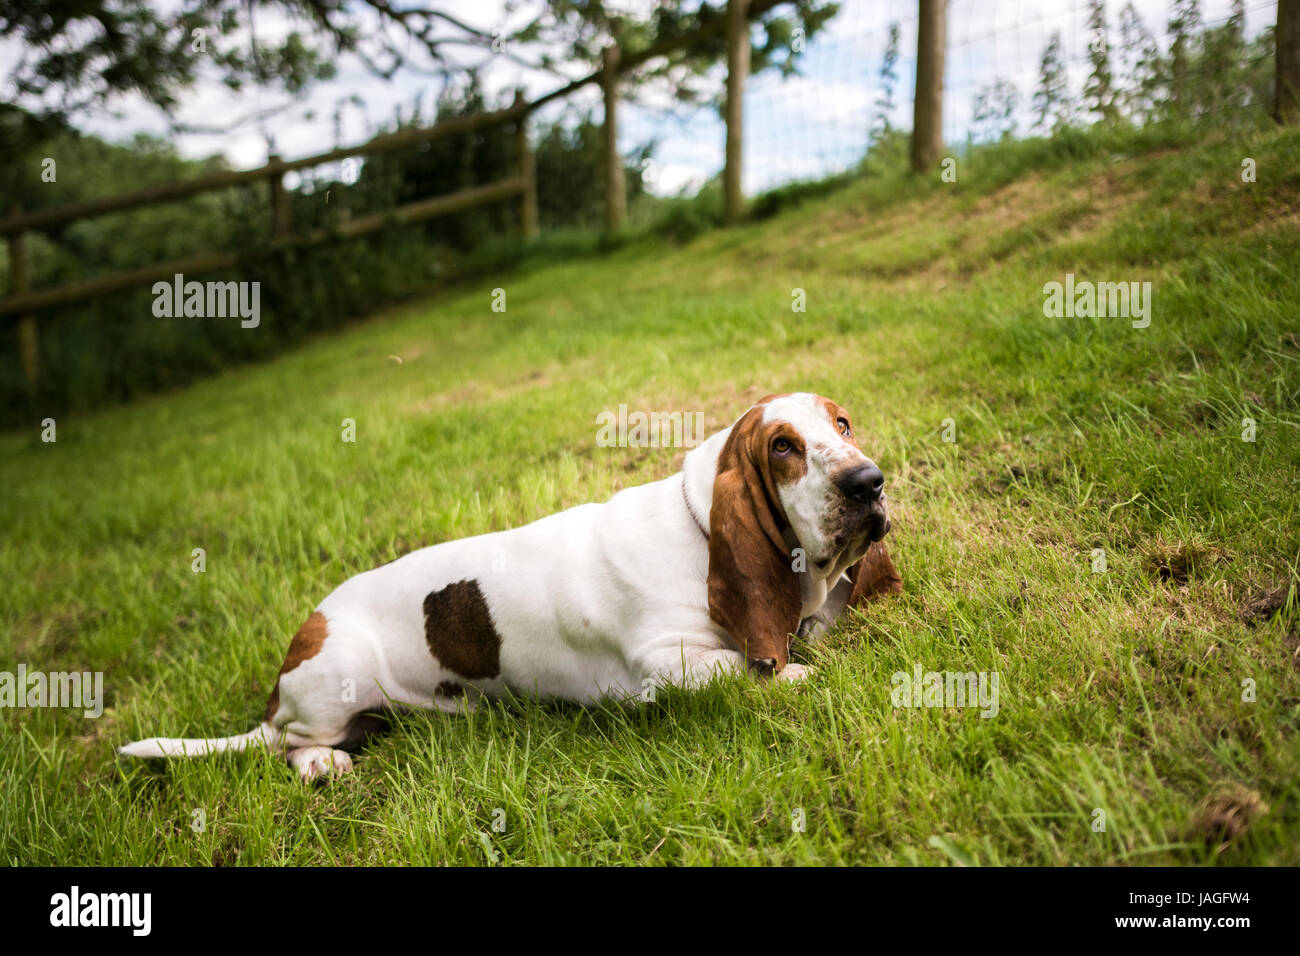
x: 801, y: 127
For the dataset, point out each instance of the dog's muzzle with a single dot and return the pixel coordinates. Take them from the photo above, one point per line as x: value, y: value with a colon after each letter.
x: 865, y: 508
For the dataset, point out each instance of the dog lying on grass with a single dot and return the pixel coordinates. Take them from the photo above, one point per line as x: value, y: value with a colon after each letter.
x: 771, y: 529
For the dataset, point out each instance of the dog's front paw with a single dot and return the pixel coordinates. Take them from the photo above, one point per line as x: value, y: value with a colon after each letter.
x: 794, y: 672
x: 315, y: 763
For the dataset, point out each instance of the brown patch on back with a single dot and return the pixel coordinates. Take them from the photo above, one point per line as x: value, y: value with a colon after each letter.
x: 460, y: 632
x: 305, y: 645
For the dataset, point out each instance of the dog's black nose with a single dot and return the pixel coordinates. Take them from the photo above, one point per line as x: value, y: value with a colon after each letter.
x: 863, y: 484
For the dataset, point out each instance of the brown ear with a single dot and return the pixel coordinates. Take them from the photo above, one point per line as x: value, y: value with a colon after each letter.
x: 874, y: 576
x: 753, y: 590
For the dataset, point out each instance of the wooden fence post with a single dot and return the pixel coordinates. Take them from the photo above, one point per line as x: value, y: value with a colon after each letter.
x: 737, y: 70
x: 527, y: 172
x: 927, y: 113
x: 281, y: 223
x: 28, y: 354
x: 1286, y: 106
x: 615, y: 189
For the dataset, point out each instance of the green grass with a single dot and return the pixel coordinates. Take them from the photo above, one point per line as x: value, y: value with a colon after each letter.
x: 1120, y: 691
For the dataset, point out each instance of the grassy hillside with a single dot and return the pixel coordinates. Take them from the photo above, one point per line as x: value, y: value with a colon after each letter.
x: 1120, y: 691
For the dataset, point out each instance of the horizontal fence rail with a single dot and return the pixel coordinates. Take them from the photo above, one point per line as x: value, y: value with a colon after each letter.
x: 275, y: 168
x: 209, y: 262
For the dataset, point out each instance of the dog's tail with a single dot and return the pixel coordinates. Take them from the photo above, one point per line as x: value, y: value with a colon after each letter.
x: 263, y: 735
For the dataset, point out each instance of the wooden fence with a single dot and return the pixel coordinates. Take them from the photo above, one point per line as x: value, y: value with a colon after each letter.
x: 927, y: 145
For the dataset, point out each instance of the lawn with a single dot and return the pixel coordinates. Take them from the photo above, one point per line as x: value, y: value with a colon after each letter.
x: 1148, y: 712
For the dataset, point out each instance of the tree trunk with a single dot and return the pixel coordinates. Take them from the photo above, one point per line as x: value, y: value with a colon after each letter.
x: 927, y: 116
x: 615, y: 189
x: 527, y: 169
x: 280, y: 223
x: 1286, y: 107
x: 737, y: 70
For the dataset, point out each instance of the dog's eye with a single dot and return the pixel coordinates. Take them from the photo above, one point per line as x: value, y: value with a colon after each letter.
x: 845, y: 430
x: 781, y: 446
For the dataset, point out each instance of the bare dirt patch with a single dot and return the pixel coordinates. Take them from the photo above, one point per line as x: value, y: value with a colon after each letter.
x: 1225, y: 815
x: 1260, y: 607
x: 1177, y: 563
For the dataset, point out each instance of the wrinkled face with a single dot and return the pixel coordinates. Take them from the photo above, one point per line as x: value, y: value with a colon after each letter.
x: 833, y: 495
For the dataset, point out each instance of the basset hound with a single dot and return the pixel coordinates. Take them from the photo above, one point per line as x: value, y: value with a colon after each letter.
x: 770, y: 530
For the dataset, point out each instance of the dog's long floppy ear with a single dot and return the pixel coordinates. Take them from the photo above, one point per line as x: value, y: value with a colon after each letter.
x: 753, y: 589
x: 874, y: 576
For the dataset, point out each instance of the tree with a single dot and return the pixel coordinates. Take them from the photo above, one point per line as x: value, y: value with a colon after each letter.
x: 1184, y: 18
x: 80, y: 54
x: 995, y: 109
x: 880, y: 126
x: 1222, y: 65
x: 1142, y: 69
x: 588, y: 27
x: 1051, y: 99
x: 1099, y: 89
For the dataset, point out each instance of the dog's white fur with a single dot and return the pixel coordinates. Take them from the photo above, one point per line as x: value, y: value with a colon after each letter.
x: 601, y: 600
